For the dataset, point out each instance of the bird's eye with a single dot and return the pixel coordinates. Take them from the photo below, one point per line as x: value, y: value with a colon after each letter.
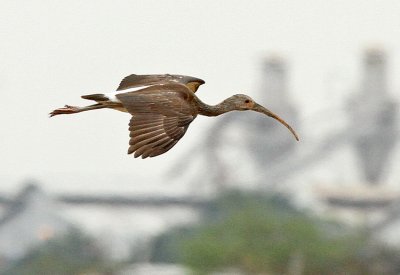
x: 247, y: 101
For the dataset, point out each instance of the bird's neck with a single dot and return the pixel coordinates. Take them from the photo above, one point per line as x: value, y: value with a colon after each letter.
x: 212, y: 110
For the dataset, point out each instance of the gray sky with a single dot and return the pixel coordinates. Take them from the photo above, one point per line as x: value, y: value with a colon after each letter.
x: 51, y: 52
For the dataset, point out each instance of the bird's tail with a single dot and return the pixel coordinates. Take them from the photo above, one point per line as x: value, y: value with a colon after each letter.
x: 96, y: 97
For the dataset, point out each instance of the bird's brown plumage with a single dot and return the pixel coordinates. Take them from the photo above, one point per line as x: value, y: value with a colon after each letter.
x: 162, y: 108
x: 161, y: 115
x: 134, y: 80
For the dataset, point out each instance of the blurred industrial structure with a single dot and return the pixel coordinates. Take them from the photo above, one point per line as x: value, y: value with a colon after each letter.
x: 373, y: 122
x: 373, y: 131
x: 33, y: 216
x: 273, y: 93
x: 378, y: 133
x: 263, y: 142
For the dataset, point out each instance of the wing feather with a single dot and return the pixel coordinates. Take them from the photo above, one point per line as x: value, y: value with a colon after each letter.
x: 163, y: 148
x: 137, y: 144
x: 141, y: 131
x: 147, y: 136
x: 134, y: 80
x: 161, y: 115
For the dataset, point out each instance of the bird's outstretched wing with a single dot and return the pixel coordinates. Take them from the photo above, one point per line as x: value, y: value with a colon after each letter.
x: 134, y: 80
x: 161, y: 115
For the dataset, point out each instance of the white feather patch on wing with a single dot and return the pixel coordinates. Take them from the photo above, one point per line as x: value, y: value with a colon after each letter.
x: 112, y: 96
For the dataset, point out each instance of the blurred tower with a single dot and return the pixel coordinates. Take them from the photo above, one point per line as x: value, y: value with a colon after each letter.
x: 261, y: 142
x: 373, y: 115
x: 274, y: 83
x: 266, y: 139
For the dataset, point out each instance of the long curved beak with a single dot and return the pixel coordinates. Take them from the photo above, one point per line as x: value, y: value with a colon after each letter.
x: 258, y: 108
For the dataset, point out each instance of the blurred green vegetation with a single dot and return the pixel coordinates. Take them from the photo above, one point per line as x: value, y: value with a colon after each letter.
x: 253, y: 233
x: 262, y: 234
x: 72, y: 253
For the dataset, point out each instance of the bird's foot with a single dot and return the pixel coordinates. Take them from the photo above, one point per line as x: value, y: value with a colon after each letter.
x: 67, y: 109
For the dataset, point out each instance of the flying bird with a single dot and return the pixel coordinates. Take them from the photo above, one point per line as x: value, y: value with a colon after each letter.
x: 162, y: 108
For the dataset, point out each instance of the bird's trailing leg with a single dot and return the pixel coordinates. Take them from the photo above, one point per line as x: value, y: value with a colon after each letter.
x: 67, y: 109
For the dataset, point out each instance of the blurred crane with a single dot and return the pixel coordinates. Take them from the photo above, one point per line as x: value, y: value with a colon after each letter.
x: 378, y: 134
x: 372, y: 130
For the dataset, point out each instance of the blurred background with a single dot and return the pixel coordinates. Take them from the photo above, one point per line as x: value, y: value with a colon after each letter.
x: 237, y: 195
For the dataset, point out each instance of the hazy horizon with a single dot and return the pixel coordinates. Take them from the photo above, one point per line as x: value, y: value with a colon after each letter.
x: 53, y: 52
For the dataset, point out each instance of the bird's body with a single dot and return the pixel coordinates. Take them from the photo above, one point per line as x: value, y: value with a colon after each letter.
x: 162, y: 108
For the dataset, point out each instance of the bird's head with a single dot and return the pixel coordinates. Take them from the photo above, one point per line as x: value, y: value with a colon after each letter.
x: 242, y: 102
